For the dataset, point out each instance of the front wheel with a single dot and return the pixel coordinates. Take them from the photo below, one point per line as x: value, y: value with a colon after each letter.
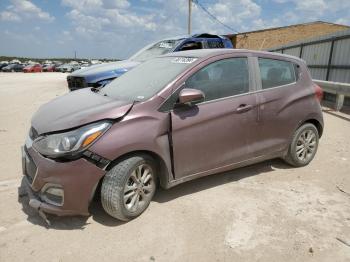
x: 127, y: 189
x: 303, y: 146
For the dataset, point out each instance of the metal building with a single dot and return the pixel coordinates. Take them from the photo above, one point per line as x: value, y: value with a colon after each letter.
x: 328, y: 57
x: 277, y: 36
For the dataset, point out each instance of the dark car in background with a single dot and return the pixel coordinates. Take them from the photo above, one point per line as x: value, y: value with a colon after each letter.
x: 13, y: 68
x: 2, y: 65
x: 171, y: 119
x: 99, y: 75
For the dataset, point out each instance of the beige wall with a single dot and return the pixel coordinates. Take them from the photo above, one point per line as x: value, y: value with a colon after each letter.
x: 280, y: 36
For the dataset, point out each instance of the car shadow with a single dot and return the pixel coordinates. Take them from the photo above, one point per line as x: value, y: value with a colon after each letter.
x: 219, y: 179
x: 161, y: 196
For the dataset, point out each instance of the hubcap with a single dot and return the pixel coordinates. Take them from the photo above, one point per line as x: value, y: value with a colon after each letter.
x: 306, y: 145
x: 139, y: 188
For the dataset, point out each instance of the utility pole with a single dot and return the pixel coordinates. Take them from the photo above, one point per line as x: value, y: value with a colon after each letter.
x: 75, y: 55
x: 189, y: 15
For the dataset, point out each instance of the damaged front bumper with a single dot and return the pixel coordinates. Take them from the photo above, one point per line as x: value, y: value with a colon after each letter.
x: 34, y: 200
x: 59, y: 188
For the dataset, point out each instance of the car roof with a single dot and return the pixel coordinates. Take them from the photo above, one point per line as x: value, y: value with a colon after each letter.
x: 202, y: 35
x: 207, y: 53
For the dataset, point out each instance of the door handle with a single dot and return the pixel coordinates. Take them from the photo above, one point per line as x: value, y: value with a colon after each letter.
x: 244, y: 108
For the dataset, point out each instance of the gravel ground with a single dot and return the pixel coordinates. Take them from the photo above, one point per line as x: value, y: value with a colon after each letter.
x: 265, y: 212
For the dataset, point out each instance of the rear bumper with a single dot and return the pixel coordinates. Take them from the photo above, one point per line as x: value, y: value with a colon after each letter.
x: 78, y: 179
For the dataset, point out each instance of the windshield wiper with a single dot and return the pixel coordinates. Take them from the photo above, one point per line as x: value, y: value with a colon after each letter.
x: 96, y: 89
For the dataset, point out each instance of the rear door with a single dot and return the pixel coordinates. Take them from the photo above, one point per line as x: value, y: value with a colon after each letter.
x: 218, y: 131
x: 279, y: 90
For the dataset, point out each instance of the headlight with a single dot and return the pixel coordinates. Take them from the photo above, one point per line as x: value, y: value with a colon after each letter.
x: 72, y: 142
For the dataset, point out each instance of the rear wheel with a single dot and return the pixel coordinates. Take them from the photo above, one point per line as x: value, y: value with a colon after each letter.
x: 303, y: 146
x: 127, y: 189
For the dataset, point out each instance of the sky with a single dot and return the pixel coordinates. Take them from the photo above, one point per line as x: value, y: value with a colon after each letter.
x: 118, y: 28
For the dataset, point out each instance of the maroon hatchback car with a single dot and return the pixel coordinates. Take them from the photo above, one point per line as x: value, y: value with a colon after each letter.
x: 169, y: 120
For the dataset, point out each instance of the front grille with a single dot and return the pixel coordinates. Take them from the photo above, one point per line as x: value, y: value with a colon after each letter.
x: 76, y: 82
x: 30, y: 167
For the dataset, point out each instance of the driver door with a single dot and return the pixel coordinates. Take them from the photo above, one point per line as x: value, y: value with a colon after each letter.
x: 217, y: 132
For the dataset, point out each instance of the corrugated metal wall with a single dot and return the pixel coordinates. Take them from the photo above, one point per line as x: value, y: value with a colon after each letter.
x: 327, y: 57
x: 295, y: 51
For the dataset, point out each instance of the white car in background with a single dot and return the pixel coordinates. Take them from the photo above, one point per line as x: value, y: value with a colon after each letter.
x: 68, y: 68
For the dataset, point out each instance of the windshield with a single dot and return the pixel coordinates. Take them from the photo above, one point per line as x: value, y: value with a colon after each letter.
x: 147, y: 79
x: 160, y: 48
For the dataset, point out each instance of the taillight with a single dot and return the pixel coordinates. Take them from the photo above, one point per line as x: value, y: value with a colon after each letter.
x: 318, y: 92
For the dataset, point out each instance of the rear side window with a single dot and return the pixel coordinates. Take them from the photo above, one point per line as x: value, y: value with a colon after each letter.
x: 215, y: 44
x: 276, y: 72
x: 227, y: 77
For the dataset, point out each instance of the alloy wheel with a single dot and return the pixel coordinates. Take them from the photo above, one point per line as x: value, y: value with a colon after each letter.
x: 139, y: 188
x: 306, y: 145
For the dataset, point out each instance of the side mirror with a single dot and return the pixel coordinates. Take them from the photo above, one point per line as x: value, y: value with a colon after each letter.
x: 191, y: 96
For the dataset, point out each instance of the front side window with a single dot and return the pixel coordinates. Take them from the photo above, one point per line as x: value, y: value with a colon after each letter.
x: 276, y: 72
x: 227, y: 77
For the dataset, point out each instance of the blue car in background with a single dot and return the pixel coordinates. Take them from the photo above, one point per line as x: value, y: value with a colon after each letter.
x: 99, y: 75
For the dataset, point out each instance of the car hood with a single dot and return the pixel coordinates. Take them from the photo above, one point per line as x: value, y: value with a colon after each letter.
x: 76, y: 109
x: 96, y: 69
x: 95, y: 73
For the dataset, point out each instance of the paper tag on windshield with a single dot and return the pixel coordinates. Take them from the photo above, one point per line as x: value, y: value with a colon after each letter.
x: 183, y: 60
x: 165, y: 45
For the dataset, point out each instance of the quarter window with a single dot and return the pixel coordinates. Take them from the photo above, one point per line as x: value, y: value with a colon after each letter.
x: 227, y: 77
x: 215, y: 44
x: 276, y: 72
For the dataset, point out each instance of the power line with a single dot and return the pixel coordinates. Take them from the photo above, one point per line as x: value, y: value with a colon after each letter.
x: 196, y: 2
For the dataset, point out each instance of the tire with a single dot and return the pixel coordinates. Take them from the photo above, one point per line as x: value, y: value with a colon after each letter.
x: 303, y: 146
x: 128, y: 188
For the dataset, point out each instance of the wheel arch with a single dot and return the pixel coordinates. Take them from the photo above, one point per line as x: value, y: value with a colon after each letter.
x: 312, y: 119
x: 316, y: 123
x: 162, y: 170
x: 162, y: 174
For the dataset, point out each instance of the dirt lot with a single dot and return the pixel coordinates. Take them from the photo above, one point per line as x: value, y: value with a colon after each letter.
x: 266, y: 212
